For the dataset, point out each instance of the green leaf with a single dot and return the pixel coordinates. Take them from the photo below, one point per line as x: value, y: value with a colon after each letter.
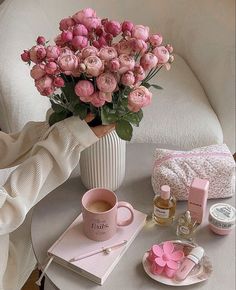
x: 57, y: 117
x: 81, y: 110
x: 56, y: 107
x: 124, y: 130
x: 108, y: 116
x: 134, y: 118
x: 69, y: 91
x: 157, y: 87
x: 147, y: 85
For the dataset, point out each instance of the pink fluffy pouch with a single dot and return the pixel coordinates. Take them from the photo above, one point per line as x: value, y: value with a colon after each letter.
x: 178, y: 169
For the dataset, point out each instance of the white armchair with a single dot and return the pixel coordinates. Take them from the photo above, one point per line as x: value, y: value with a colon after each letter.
x: 196, y: 107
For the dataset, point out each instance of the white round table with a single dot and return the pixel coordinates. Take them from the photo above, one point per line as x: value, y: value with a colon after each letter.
x: 55, y: 213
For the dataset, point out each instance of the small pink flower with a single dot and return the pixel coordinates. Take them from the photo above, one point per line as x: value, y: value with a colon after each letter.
x: 53, y: 52
x: 128, y: 78
x: 88, y: 51
x: 41, y: 40
x: 81, y: 15
x: 108, y: 37
x: 139, y: 73
x: 106, y: 82
x: 66, y: 36
x: 170, y: 48
x: 80, y: 29
x: 79, y: 42
x: 68, y: 63
x: 114, y: 65
x: 127, y: 62
x: 138, y: 45
x: 139, y: 98
x: 84, y: 89
x: 140, y: 32
x: 66, y: 23
x: 25, y: 56
x: 37, y: 71
x: 113, y: 27
x: 45, y: 85
x: 37, y: 53
x: 155, y: 39
x: 51, y: 67
x: 58, y: 82
x: 127, y: 26
x: 94, y: 65
x: 96, y: 101
x: 162, y: 54
x: 105, y: 96
x: 148, y: 61
x: 99, y: 31
x: 91, y: 23
x: 100, y: 42
x: 107, y: 53
x: 124, y: 47
x: 58, y: 40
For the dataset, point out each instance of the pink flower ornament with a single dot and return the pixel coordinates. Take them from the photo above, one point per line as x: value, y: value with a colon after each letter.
x: 164, y: 259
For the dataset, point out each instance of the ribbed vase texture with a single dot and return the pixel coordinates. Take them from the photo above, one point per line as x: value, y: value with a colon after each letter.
x: 103, y: 163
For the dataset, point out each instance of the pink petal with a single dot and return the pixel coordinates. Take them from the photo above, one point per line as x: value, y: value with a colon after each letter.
x: 172, y: 265
x: 177, y: 255
x: 157, y: 250
x: 160, y: 262
x: 168, y: 247
x: 169, y: 272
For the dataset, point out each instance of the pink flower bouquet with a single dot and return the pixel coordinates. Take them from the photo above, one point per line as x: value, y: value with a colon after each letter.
x: 100, y: 66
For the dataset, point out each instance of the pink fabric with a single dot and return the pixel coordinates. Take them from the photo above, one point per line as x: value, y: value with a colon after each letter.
x: 178, y: 169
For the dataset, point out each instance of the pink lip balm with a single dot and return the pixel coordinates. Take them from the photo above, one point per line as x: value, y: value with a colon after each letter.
x: 193, y: 258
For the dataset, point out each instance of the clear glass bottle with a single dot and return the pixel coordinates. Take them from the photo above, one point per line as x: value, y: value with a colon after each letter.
x: 164, y: 207
x: 186, y: 226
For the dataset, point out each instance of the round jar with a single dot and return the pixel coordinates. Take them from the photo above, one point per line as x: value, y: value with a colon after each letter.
x: 221, y: 218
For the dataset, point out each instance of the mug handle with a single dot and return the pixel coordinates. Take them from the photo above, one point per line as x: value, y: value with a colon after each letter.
x: 131, y: 210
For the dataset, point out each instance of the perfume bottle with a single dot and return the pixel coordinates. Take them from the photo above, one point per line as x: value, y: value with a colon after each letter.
x: 164, y: 207
x: 186, y: 226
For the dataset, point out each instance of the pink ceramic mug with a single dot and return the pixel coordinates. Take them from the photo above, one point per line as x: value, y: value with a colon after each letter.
x: 99, y: 209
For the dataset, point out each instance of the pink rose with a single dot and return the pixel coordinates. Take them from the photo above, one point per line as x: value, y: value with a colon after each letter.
x: 106, y: 82
x: 81, y: 15
x: 41, y: 40
x: 37, y: 53
x: 140, y: 32
x: 96, y: 101
x: 25, y: 56
x: 79, y: 42
x: 58, y: 82
x: 68, y: 63
x: 51, y: 67
x: 107, y: 53
x: 100, y: 42
x: 84, y: 89
x: 114, y: 65
x: 58, y: 40
x: 127, y: 62
x: 91, y: 23
x: 148, y: 61
x: 94, y: 65
x: 53, y: 52
x: 66, y: 36
x: 139, y: 73
x: 138, y: 45
x: 128, y: 78
x: 108, y: 37
x: 139, y: 98
x: 105, y: 96
x: 66, y: 23
x: 162, y: 54
x: 127, y: 26
x: 170, y: 48
x: 113, y: 27
x: 99, y: 31
x: 124, y: 47
x: 45, y: 85
x: 37, y: 71
x: 88, y: 51
x: 155, y: 39
x: 80, y: 29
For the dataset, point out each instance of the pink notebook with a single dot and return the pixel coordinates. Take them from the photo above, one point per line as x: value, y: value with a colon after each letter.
x: 73, y: 243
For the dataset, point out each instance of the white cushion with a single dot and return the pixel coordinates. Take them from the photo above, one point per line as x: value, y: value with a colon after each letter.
x: 180, y: 114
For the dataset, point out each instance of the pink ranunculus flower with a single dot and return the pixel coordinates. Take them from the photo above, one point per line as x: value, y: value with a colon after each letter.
x: 79, y: 42
x: 96, y: 101
x: 138, y: 45
x: 94, y: 65
x: 41, y: 40
x: 68, y: 63
x: 113, y: 27
x: 45, y: 85
x: 88, y: 51
x: 162, y: 54
x: 25, y: 56
x: 139, y: 73
x: 107, y: 53
x: 37, y: 53
x: 155, y: 39
x: 105, y: 96
x: 58, y: 40
x: 51, y: 67
x: 53, y: 51
x: 84, y: 89
x: 139, y: 98
x: 128, y: 78
x: 58, y: 82
x: 92, y: 23
x: 148, y: 61
x: 127, y: 26
x: 114, y: 65
x: 124, y: 47
x: 106, y: 82
x: 80, y: 29
x: 85, y: 13
x: 37, y: 71
x: 140, y: 32
x: 127, y: 62
x: 66, y: 36
x: 66, y: 23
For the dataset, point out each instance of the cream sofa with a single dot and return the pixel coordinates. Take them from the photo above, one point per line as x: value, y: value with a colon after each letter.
x: 196, y: 107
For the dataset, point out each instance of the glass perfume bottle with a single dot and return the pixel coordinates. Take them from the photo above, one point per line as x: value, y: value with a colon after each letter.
x: 164, y: 207
x: 186, y: 226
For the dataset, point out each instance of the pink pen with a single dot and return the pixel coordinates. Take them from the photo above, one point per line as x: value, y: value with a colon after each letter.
x: 193, y: 258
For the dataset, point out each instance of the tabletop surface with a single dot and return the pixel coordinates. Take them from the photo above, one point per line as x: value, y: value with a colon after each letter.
x: 54, y: 214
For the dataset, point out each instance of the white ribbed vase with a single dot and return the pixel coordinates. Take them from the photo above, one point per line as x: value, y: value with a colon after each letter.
x: 103, y: 163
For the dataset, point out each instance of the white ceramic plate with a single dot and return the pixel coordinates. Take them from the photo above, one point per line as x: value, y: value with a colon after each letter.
x: 200, y: 272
